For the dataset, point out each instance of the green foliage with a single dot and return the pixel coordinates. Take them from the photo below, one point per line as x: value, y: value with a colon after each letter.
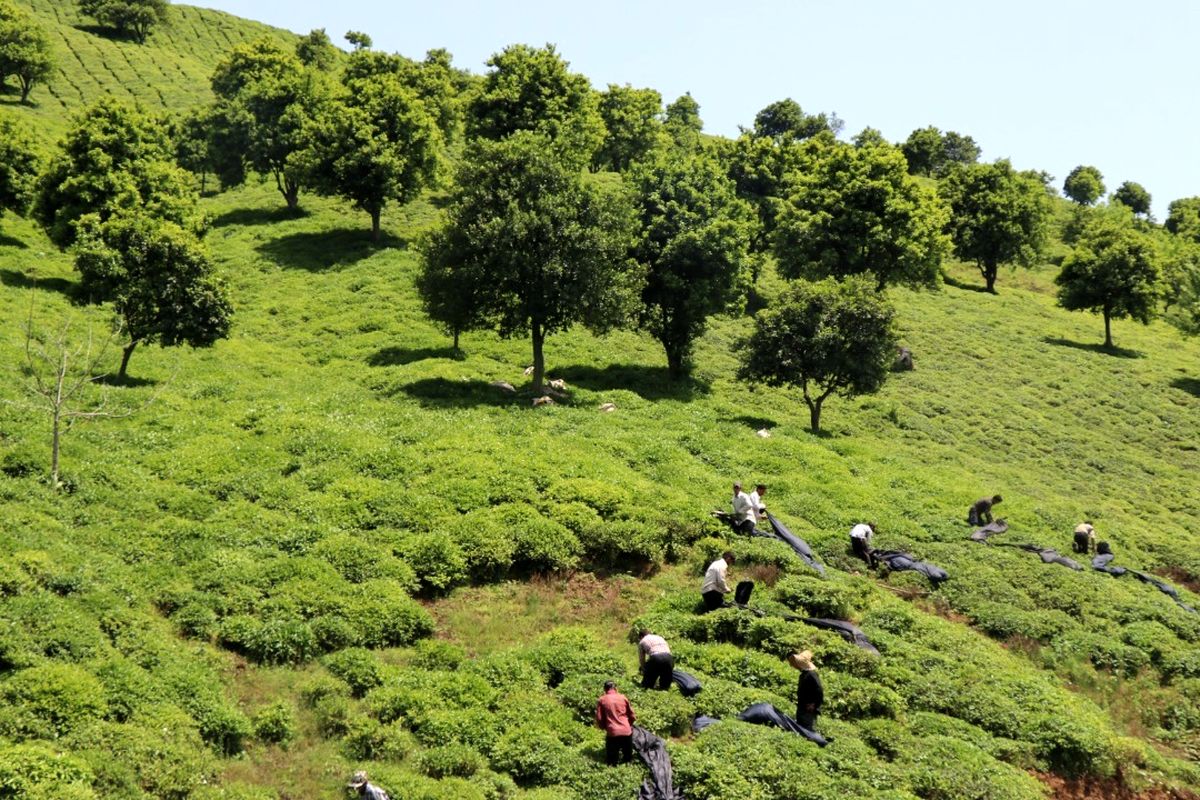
x: 930, y: 152
x: 437, y: 559
x: 997, y: 216
x: 1134, y: 197
x: 1113, y: 269
x: 275, y: 724
x: 632, y: 123
x: 135, y: 18
x: 825, y: 338
x: 316, y: 50
x: 1183, y: 218
x: 682, y: 122
x: 853, y: 210
x: 532, y: 90
x: 114, y: 160
x: 159, y: 279
x: 38, y: 770
x: 785, y: 121
x: 50, y: 700
x: 1084, y: 185
x: 357, y: 667
x: 451, y: 760
x: 545, y: 248
x: 25, y: 51
x: 20, y: 162
x: 693, y: 245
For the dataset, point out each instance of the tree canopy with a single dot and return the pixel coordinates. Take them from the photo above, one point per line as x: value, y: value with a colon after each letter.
x: 115, y: 159
x: 693, y: 244
x: 930, y: 152
x: 544, y: 248
x: 532, y: 89
x: 158, y: 278
x: 830, y: 337
x: 1183, y: 218
x: 1084, y: 185
x: 1113, y: 269
x: 633, y: 121
x: 1134, y: 197
x: 135, y: 18
x: 682, y: 121
x: 316, y: 50
x: 785, y: 121
x: 20, y: 162
x: 25, y: 51
x: 853, y: 210
x: 997, y: 216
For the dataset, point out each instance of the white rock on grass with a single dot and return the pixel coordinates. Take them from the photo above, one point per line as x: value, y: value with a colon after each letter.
x: 763, y: 433
x: 607, y: 407
x: 504, y: 386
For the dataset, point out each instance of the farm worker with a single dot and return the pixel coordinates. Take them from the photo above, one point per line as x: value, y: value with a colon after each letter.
x: 715, y: 587
x: 1085, y: 537
x: 980, y: 512
x: 655, y: 660
x: 810, y: 695
x: 365, y: 788
x: 760, y: 510
x: 615, y: 717
x: 860, y: 541
x: 744, y: 511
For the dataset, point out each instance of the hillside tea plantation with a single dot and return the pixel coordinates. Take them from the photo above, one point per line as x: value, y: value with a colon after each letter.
x: 332, y: 542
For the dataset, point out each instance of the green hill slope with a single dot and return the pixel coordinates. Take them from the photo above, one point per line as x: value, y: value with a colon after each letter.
x: 330, y: 542
x: 171, y: 71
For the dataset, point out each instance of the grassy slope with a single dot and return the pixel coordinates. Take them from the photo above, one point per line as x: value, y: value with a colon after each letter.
x: 336, y: 407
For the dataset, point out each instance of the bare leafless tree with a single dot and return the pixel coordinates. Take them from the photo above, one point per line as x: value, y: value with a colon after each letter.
x: 65, y: 379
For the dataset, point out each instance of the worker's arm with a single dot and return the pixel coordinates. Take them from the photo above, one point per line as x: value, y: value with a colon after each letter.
x: 599, y: 718
x: 722, y: 586
x: 641, y: 656
x: 629, y: 711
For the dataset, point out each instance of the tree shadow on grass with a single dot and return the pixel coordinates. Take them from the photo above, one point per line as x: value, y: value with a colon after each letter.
x: 128, y: 382
x: 756, y: 423
x: 1189, y: 385
x: 19, y: 280
x: 649, y: 383
x: 445, y: 393
x: 258, y: 216
x: 12, y: 241
x: 398, y: 356
x: 324, y: 250
x: 1119, y: 352
x: 949, y: 280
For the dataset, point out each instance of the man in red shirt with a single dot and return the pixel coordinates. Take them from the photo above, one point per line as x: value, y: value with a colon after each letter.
x: 615, y: 717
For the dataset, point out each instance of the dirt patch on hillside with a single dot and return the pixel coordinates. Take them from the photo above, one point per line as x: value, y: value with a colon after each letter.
x: 1180, y: 576
x: 1107, y: 789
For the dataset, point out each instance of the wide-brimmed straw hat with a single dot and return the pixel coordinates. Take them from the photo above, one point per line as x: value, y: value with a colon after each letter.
x: 801, y: 660
x: 357, y: 780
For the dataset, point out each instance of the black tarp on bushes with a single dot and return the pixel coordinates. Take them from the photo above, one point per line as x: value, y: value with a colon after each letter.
x: 688, y: 685
x: 1048, y: 555
x: 659, y: 784
x: 767, y: 714
x: 844, y: 629
x: 899, y: 561
x: 1103, y: 563
x: 796, y: 543
x: 991, y: 529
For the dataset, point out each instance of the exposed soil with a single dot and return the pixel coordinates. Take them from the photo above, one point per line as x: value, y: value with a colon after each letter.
x: 1180, y: 576
x: 1107, y: 789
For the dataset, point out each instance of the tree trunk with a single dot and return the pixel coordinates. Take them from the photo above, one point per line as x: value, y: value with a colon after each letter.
x: 456, y: 332
x: 126, y: 352
x: 814, y: 413
x: 1107, y: 328
x: 203, y: 181
x: 375, y: 214
x: 54, y: 447
x: 26, y: 86
x: 989, y: 277
x: 676, y: 368
x: 539, y: 363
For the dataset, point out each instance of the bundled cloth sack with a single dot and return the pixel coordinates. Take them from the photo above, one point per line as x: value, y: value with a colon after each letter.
x: 659, y: 784
x: 991, y: 529
x: 796, y: 543
x: 688, y: 685
x: 1103, y: 563
x: 849, y: 632
x: 899, y: 561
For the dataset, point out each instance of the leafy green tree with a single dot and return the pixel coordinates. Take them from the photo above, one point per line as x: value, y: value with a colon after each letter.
x: 682, y: 121
x: 20, y: 162
x: 532, y: 89
x: 997, y: 216
x: 545, y: 248
x: 25, y: 51
x: 377, y: 145
x: 449, y: 299
x: 853, y: 210
x: 930, y: 152
x: 434, y: 80
x: 1084, y: 185
x: 785, y: 121
x: 693, y: 244
x: 191, y: 134
x: 115, y: 159
x: 1183, y: 218
x: 869, y: 137
x: 633, y: 121
x: 1134, y: 197
x: 316, y: 50
x: 158, y: 278
x: 358, y: 40
x: 135, y: 18
x: 758, y: 166
x: 1180, y: 258
x: 1113, y: 269
x: 831, y: 337
x: 265, y: 98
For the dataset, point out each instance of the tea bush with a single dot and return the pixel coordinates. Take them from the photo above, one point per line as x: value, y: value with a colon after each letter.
x: 275, y: 724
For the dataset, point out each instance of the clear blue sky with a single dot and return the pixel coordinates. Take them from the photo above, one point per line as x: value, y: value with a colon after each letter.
x: 1047, y: 83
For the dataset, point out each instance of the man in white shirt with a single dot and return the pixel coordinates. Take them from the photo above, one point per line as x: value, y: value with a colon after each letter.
x: 760, y: 510
x: 655, y: 660
x: 715, y: 585
x: 744, y: 511
x: 860, y: 541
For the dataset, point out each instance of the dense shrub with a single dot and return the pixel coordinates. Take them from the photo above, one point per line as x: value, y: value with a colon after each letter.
x: 438, y: 655
x: 275, y: 724
x: 814, y: 597
x: 359, y: 561
x: 437, y: 559
x: 571, y: 651
x: 358, y: 668
x: 283, y: 641
x: 487, y: 541
x: 451, y: 760
x: 366, y: 739
x: 37, y: 770
x: 535, y: 755
x: 50, y: 700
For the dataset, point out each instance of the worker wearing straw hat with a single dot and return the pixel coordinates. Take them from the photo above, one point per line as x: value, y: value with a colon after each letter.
x: 810, y: 695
